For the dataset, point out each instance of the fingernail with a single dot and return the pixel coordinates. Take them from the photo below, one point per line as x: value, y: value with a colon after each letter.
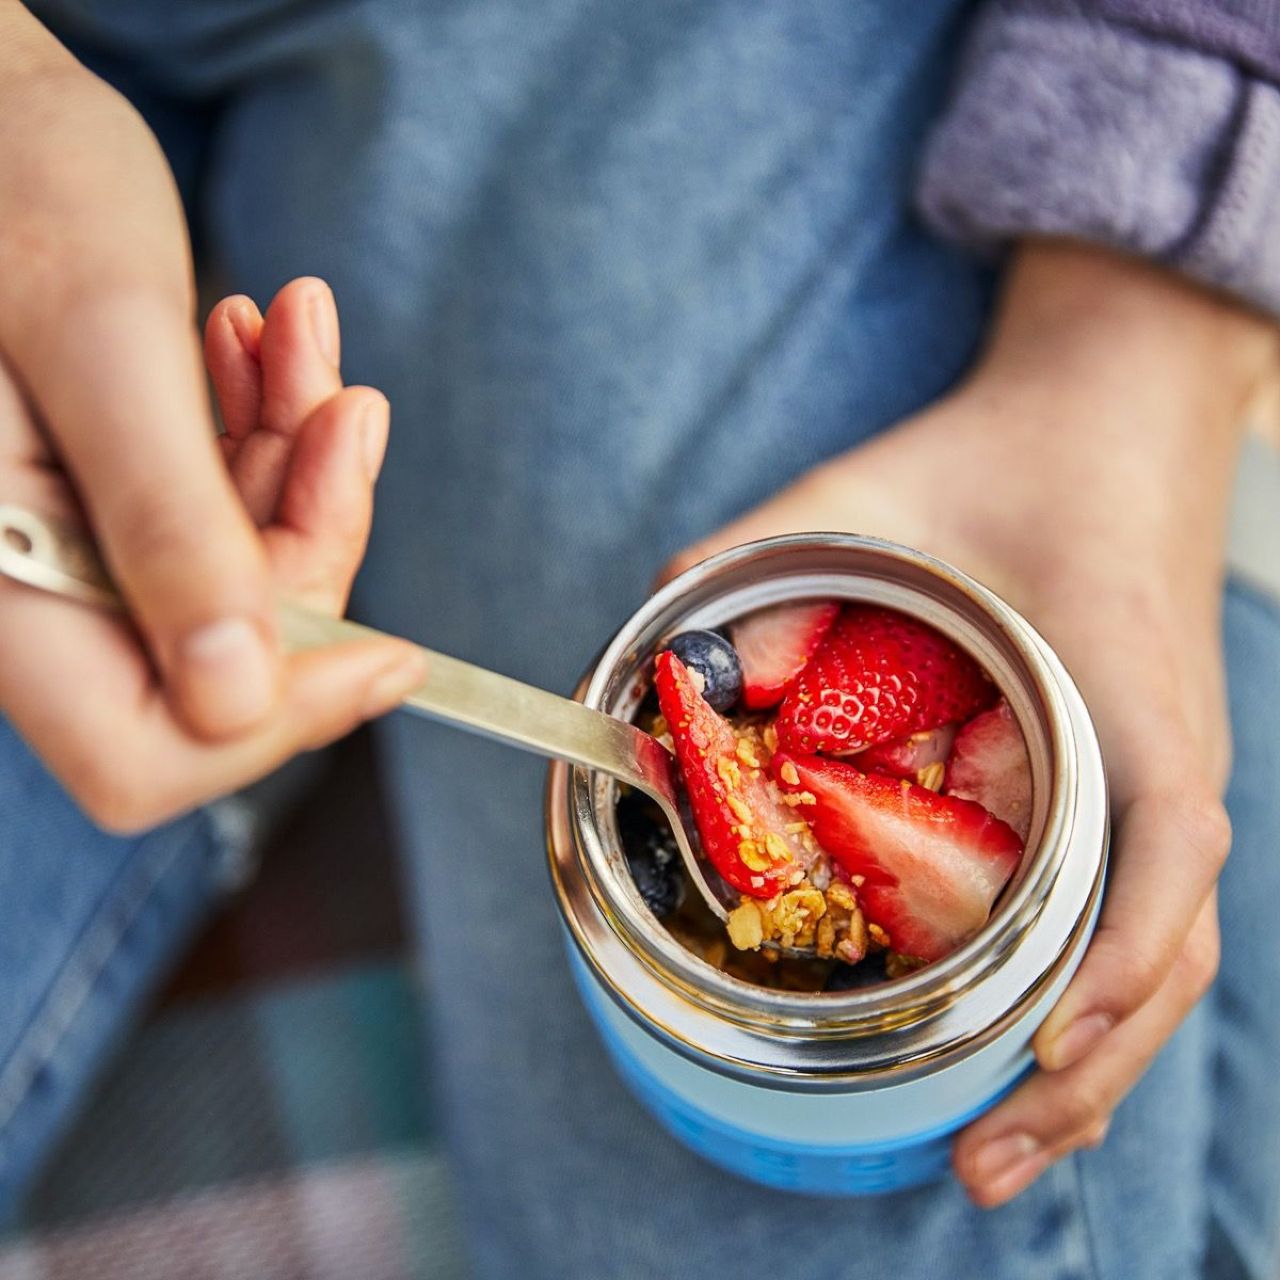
x: 1017, y: 1177
x: 1080, y: 1036
x: 1002, y: 1154
x: 387, y: 688
x: 324, y: 325
x: 243, y: 327
x: 227, y: 674
x: 374, y: 425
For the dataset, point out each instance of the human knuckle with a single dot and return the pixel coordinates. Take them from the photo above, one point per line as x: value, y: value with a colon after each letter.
x: 1199, y: 959
x: 1082, y: 1107
x: 1204, y: 826
x: 114, y: 795
x: 1142, y: 969
x: 349, y: 531
x: 324, y: 588
x: 1095, y: 1135
x: 1135, y: 971
x: 123, y: 817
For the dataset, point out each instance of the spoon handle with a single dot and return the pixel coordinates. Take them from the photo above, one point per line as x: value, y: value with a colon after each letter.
x: 54, y: 556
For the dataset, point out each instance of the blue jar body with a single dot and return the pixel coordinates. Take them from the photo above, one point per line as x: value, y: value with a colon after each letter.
x: 876, y: 1140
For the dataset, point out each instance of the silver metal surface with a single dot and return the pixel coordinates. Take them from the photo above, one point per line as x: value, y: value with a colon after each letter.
x: 54, y: 556
x: 877, y: 1035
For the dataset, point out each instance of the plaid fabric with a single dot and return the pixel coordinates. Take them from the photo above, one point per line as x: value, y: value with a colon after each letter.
x: 272, y: 1118
x: 381, y: 1218
x: 280, y: 1132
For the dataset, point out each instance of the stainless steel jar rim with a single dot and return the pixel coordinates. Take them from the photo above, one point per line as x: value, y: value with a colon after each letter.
x: 1038, y: 688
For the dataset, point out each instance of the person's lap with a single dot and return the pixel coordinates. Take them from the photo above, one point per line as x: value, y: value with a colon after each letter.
x: 625, y: 269
x: 87, y: 921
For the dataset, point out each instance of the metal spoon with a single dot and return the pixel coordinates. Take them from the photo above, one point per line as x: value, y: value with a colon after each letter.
x: 53, y: 556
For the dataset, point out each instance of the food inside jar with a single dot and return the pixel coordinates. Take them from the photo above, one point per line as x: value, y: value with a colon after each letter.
x: 853, y: 774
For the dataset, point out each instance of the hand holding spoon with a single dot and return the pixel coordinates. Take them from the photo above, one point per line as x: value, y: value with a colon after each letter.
x: 54, y: 556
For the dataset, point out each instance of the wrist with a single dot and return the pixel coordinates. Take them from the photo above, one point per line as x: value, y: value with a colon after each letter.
x: 1079, y: 315
x: 1107, y: 411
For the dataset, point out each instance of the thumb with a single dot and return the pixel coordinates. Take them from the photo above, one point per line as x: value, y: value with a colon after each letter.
x: 122, y: 394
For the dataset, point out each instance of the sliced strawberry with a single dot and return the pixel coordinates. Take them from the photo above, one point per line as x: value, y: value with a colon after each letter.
x: 931, y: 865
x: 989, y: 764
x: 741, y: 819
x: 774, y: 644
x: 912, y: 757
x: 879, y: 675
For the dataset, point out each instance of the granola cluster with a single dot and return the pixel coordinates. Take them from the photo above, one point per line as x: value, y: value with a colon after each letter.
x: 816, y: 910
x: 828, y: 920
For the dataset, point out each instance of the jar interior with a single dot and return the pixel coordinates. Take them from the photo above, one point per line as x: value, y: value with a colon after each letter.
x: 862, y: 571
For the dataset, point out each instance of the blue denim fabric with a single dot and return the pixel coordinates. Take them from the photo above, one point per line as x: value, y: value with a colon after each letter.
x: 88, y: 922
x: 624, y: 270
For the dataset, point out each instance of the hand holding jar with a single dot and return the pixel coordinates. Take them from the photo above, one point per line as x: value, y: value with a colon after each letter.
x: 1083, y: 472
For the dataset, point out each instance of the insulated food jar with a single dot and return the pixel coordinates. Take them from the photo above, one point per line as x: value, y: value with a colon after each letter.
x: 854, y: 1091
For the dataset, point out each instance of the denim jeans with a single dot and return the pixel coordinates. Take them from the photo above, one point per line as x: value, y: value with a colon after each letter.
x: 624, y: 270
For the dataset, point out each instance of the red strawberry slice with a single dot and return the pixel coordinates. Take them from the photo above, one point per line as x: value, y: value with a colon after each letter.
x: 989, y: 764
x: 932, y: 865
x: 911, y: 757
x: 740, y: 817
x: 774, y: 644
x: 879, y: 675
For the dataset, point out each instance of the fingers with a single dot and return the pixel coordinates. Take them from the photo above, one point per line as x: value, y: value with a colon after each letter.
x: 305, y: 455
x: 1057, y: 1112
x: 79, y: 688
x: 232, y: 345
x: 326, y: 508
x: 80, y: 691
x: 1170, y: 848
x: 298, y: 371
x: 300, y: 353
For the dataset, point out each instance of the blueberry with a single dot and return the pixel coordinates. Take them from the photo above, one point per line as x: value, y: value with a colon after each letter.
x: 652, y: 855
x: 716, y: 660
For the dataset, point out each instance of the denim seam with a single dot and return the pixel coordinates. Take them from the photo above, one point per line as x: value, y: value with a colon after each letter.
x: 1087, y: 1234
x: 83, y: 968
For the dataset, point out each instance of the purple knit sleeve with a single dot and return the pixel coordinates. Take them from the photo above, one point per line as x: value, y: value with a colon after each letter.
x: 1151, y: 126
x: 1246, y: 32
